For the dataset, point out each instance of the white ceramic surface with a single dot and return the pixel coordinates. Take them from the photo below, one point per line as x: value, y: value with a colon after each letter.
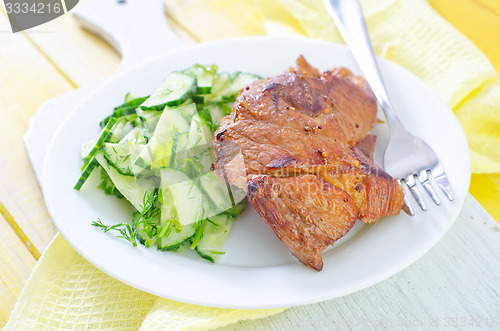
x: 257, y: 271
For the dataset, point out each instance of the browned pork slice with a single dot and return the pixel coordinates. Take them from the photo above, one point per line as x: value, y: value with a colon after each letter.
x: 293, y: 122
x: 306, y: 128
x: 305, y: 212
x: 375, y: 193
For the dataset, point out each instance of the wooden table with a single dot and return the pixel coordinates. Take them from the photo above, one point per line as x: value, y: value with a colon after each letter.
x: 59, y: 56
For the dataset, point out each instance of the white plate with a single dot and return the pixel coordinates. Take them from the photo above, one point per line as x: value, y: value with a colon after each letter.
x: 257, y: 270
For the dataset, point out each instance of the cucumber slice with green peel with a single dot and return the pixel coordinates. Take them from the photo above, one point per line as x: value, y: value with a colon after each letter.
x: 122, y: 156
x: 171, y: 176
x: 145, y: 115
x: 134, y: 136
x: 217, y: 192
x: 197, y: 198
x: 131, y: 102
x: 132, y: 188
x: 175, y: 90
x: 175, y: 239
x: 103, y: 137
x: 149, y: 126
x: 129, y: 97
x: 87, y: 147
x: 172, y: 121
x: 121, y: 128
x: 214, y: 233
x: 220, y: 83
x: 237, y: 208
x: 127, y: 110
x: 86, y: 173
x: 218, y: 110
x: 189, y: 201
x: 204, y: 76
x: 198, y: 98
x: 168, y: 219
x: 241, y: 80
x: 172, y: 234
x: 199, y: 133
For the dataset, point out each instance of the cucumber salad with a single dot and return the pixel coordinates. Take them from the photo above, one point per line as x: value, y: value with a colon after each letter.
x: 156, y: 153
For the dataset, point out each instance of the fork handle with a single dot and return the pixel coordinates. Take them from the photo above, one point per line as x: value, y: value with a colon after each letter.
x: 348, y: 18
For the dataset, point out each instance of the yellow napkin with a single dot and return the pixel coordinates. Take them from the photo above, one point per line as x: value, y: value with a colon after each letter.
x: 67, y: 292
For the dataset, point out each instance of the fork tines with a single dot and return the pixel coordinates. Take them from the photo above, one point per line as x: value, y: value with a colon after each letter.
x: 423, y: 176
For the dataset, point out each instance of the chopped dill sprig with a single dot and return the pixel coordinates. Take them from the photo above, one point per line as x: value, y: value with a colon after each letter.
x: 124, y: 229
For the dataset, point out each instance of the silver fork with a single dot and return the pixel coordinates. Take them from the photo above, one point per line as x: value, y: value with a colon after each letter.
x: 407, y: 158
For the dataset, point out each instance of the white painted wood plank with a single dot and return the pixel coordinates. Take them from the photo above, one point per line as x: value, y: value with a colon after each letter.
x: 456, y: 285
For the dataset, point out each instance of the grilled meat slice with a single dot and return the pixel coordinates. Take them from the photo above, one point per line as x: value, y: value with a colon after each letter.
x: 294, y: 122
x: 375, y: 193
x: 269, y: 148
x: 310, y: 128
x: 366, y: 146
x: 328, y: 105
x: 305, y: 212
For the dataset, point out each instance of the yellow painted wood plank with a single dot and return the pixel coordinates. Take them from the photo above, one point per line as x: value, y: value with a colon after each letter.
x: 208, y: 20
x: 16, y: 264
x: 27, y: 79
x: 81, y: 56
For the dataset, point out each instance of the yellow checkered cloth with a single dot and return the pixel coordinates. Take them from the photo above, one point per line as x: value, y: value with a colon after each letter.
x: 67, y: 292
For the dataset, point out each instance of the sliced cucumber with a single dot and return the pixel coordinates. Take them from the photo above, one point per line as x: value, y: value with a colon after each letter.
x: 103, y: 137
x: 241, y: 80
x: 87, y: 147
x: 135, y: 136
x: 107, y: 184
x: 149, y: 126
x: 199, y: 133
x: 86, y: 173
x: 213, y: 235
x: 172, y: 121
x: 173, y: 234
x: 122, y: 156
x: 176, y: 89
x: 120, y: 130
x: 221, y: 83
x: 175, y: 238
x: 218, y: 110
x: 237, y: 208
x: 171, y: 176
x: 132, y: 188
x: 145, y: 115
x: 129, y: 97
x: 218, y: 193
x: 189, y: 201
x: 204, y: 76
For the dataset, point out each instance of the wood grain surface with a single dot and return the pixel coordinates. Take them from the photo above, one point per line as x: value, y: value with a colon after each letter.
x: 59, y: 56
